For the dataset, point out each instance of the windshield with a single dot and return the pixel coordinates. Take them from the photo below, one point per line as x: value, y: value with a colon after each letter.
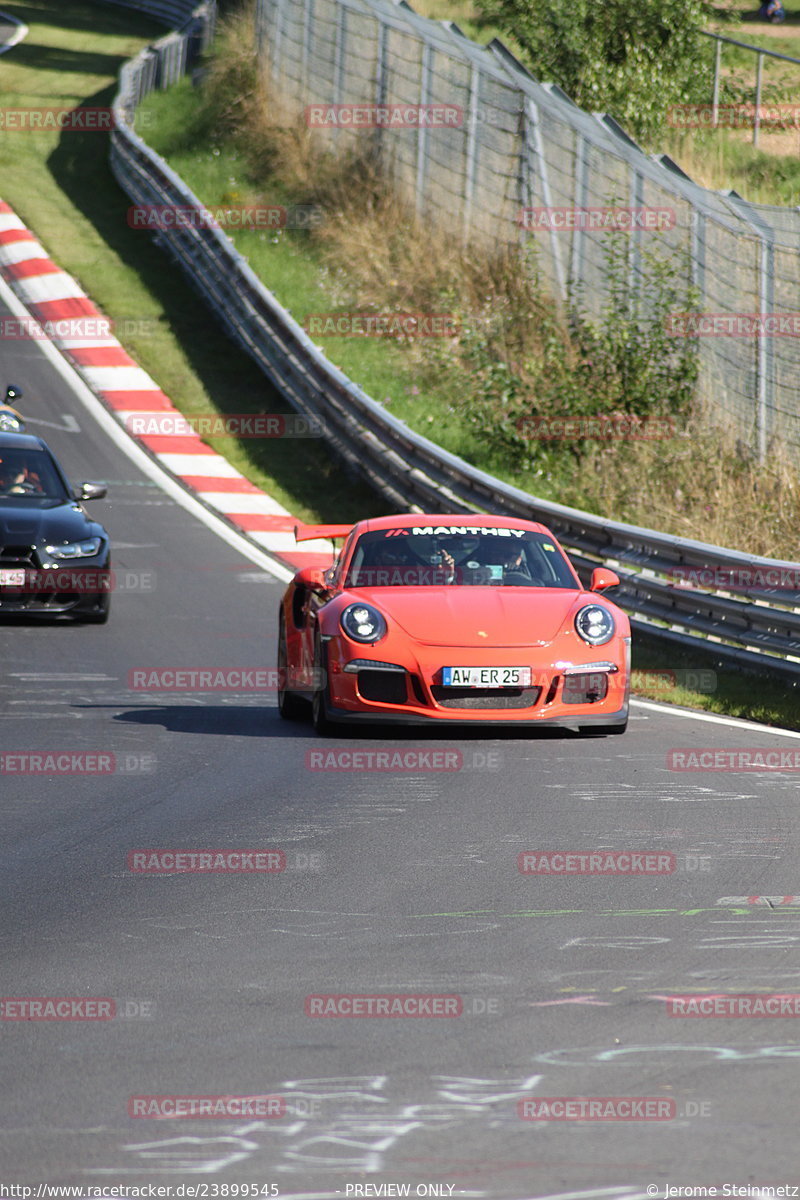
x: 420, y: 556
x: 29, y: 473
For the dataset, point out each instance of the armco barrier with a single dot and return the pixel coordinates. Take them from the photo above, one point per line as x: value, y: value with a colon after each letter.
x: 760, y: 631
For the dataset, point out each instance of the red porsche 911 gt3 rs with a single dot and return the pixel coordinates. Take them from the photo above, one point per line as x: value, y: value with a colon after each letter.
x: 465, y: 619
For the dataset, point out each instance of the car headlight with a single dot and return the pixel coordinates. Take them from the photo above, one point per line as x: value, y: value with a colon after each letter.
x: 363, y: 623
x: 595, y: 624
x: 9, y: 423
x: 76, y: 549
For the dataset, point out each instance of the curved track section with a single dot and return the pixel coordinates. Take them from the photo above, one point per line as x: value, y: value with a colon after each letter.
x: 400, y: 878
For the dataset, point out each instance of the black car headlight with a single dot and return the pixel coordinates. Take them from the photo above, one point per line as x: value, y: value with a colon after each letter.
x: 85, y: 549
x: 363, y: 623
x: 595, y: 624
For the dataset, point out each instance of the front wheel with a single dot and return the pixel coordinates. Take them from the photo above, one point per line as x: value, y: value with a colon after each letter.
x: 101, y: 613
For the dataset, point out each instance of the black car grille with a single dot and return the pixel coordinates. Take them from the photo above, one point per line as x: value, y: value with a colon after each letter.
x: 17, y: 556
x: 449, y: 697
x: 585, y: 689
x: 387, y: 687
x: 13, y: 600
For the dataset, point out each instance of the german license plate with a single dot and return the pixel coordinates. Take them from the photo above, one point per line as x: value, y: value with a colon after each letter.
x: 490, y: 677
x: 12, y: 578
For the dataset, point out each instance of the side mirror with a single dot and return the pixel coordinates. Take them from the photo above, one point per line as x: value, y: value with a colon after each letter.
x: 312, y: 578
x: 13, y: 394
x: 603, y: 578
x: 89, y: 491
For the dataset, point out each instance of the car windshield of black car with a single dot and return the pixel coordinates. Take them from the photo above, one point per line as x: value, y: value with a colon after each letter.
x: 28, y: 474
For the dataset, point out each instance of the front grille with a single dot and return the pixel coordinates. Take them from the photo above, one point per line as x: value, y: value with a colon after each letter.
x: 17, y: 556
x: 449, y: 697
x: 387, y: 687
x: 585, y: 689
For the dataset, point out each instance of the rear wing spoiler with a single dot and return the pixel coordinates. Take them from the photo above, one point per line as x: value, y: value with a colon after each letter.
x: 306, y: 533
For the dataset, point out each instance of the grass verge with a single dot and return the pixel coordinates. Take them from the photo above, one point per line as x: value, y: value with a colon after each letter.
x: 61, y: 185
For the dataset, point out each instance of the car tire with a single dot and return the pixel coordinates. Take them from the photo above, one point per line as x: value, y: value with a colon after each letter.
x: 319, y: 697
x: 100, y: 615
x: 290, y: 706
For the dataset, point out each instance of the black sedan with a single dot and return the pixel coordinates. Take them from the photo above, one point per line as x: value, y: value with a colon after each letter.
x: 53, y: 558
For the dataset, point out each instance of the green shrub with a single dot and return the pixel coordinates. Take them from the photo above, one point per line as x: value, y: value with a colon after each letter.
x: 630, y: 58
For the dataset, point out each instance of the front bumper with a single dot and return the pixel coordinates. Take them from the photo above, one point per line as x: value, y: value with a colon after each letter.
x: 590, y: 688
x: 77, y: 588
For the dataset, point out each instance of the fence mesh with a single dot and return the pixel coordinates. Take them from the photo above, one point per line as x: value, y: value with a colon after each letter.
x: 509, y: 143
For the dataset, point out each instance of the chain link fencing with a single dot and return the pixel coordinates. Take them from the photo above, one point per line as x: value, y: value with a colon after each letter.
x: 484, y: 151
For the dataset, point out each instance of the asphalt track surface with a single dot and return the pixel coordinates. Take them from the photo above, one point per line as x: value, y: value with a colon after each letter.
x: 395, y: 882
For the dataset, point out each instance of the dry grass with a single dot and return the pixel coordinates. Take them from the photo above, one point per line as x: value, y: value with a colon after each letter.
x: 699, y: 484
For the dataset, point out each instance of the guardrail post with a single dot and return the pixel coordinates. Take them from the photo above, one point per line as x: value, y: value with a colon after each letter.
x: 757, y: 118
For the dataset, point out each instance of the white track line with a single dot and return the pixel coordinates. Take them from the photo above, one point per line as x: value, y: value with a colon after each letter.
x: 124, y: 442
x: 695, y: 714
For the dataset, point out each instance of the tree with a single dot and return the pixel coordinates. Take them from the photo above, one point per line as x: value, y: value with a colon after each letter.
x: 631, y: 58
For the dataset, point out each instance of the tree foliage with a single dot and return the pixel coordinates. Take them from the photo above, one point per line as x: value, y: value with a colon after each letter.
x: 630, y: 58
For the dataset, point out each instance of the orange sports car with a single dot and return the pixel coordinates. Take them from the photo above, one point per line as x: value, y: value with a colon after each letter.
x: 460, y: 619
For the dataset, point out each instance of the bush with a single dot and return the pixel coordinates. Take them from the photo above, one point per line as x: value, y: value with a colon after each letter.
x: 631, y: 58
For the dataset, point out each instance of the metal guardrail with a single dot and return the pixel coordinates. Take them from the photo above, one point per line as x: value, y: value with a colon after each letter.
x: 759, y: 631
